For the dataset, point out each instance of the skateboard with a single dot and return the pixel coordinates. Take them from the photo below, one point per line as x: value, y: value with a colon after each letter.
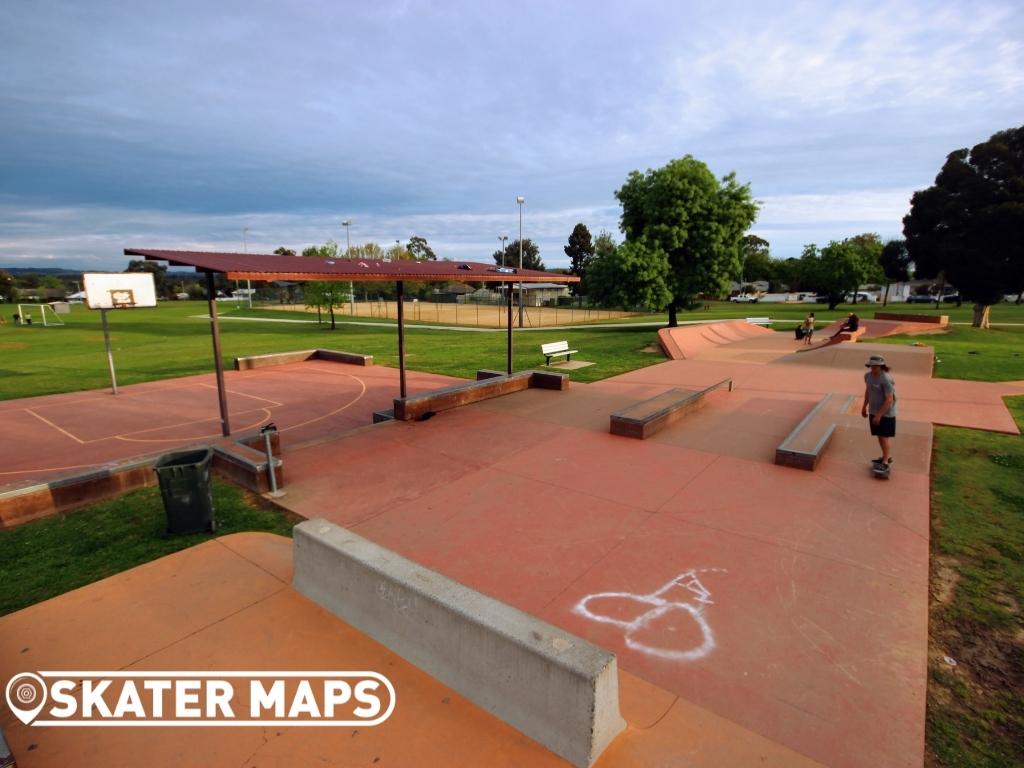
x: 881, y: 471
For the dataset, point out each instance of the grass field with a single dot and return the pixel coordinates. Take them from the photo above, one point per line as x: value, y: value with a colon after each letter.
x: 976, y: 708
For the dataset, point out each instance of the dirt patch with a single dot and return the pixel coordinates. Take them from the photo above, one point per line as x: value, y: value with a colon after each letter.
x: 12, y: 345
x: 652, y: 349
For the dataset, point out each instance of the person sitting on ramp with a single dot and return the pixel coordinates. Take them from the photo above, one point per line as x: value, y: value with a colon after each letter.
x: 851, y: 324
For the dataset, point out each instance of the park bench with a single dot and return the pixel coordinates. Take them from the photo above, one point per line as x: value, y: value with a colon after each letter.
x: 759, y: 320
x: 646, y: 418
x: 556, y: 349
x: 804, y: 446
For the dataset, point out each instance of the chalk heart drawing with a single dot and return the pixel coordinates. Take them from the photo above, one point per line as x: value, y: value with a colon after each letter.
x: 651, y: 622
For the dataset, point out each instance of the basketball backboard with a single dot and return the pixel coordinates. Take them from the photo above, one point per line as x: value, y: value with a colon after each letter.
x: 119, y: 290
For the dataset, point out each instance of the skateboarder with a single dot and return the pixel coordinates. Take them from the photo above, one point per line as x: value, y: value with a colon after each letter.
x: 808, y: 328
x: 880, y: 409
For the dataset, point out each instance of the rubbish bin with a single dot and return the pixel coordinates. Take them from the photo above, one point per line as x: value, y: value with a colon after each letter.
x: 185, y: 487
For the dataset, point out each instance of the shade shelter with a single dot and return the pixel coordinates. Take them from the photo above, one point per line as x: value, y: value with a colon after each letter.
x: 268, y: 267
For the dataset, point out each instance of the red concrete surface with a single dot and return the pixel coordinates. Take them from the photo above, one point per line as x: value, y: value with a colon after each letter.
x: 812, y: 587
x: 44, y: 437
x: 227, y: 604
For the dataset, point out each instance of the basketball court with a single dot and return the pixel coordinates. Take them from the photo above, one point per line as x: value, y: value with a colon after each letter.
x: 46, y: 437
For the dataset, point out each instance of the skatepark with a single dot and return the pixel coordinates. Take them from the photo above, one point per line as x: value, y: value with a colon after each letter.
x: 759, y: 613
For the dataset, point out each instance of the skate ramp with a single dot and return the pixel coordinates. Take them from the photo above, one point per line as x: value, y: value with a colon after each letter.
x: 689, y: 341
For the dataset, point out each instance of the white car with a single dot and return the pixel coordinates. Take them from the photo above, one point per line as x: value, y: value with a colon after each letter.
x: 744, y: 298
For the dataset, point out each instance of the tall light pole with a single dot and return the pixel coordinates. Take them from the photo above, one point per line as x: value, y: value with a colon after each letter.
x: 347, y: 224
x: 245, y: 249
x: 503, y: 238
x: 520, y: 200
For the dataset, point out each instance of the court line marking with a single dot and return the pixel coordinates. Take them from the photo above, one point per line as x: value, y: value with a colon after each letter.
x: 50, y: 423
x: 354, y: 400
x: 50, y: 469
x: 266, y: 416
x: 273, y: 403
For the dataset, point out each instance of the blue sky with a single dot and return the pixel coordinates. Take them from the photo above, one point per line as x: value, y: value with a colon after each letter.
x: 176, y: 125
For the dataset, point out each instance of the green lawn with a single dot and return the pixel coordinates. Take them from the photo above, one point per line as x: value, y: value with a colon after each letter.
x: 962, y: 352
x: 170, y: 341
x: 976, y: 708
x: 54, y: 555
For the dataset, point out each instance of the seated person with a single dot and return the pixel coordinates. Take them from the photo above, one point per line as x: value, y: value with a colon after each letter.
x: 851, y: 324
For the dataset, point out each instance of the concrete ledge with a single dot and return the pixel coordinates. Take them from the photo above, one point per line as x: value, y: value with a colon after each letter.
x: 487, y: 373
x: 282, y: 358
x: 244, y: 460
x: 649, y: 417
x: 554, y: 687
x: 805, y: 445
x: 941, y: 320
x: 31, y: 501
x: 385, y: 415
x: 415, y: 406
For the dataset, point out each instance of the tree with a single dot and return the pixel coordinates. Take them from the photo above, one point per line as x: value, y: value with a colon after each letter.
x: 630, y: 275
x: 757, y: 263
x: 868, y: 247
x: 691, y: 217
x: 419, y: 249
x: 282, y: 251
x: 895, y: 263
x: 324, y: 294
x: 580, y: 251
x: 531, y: 255
x: 159, y: 272
x: 968, y: 224
x: 833, y: 271
x: 6, y: 286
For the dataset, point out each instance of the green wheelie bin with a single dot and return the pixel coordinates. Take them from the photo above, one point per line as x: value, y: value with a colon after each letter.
x: 186, y: 490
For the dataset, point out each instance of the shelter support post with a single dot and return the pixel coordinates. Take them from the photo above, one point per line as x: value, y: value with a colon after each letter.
x: 400, y: 291
x: 509, y: 371
x: 222, y: 395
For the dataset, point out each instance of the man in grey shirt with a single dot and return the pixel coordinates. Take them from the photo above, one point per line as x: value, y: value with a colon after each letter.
x: 880, y: 406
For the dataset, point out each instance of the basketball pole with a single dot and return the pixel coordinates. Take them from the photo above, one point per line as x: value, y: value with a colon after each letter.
x: 110, y: 352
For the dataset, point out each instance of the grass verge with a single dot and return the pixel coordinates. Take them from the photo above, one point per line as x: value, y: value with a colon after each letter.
x: 962, y: 352
x: 976, y: 704
x: 54, y: 555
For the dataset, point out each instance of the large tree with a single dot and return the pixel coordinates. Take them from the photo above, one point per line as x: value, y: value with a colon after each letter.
x: 282, y: 251
x: 694, y: 219
x: 7, y: 292
x: 531, y: 255
x: 895, y: 263
x: 868, y: 247
x: 832, y: 271
x: 968, y: 225
x: 580, y: 251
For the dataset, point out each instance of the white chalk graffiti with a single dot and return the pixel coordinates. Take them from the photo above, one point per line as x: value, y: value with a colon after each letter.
x: 683, y: 597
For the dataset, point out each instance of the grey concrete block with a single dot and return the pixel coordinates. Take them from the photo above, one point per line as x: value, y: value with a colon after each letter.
x: 554, y: 687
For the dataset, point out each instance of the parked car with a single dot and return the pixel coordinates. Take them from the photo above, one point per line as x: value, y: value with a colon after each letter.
x: 920, y: 298
x: 951, y: 298
x: 744, y: 298
x: 867, y: 298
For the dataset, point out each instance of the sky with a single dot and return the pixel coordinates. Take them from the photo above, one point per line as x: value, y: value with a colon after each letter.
x: 179, y: 125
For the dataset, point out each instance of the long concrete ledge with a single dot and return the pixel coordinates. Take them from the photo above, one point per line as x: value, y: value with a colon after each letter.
x: 282, y: 358
x: 554, y: 687
x: 649, y: 417
x: 492, y: 384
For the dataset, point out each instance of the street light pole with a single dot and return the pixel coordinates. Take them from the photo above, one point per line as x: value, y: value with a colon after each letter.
x: 347, y: 224
x: 503, y: 238
x: 520, y: 200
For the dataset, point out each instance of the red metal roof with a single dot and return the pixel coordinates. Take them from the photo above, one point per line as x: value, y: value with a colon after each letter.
x: 269, y: 266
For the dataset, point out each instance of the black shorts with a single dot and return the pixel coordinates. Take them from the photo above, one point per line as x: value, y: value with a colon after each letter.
x: 886, y: 426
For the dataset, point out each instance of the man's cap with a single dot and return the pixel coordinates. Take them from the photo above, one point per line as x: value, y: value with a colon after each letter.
x: 874, y: 360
